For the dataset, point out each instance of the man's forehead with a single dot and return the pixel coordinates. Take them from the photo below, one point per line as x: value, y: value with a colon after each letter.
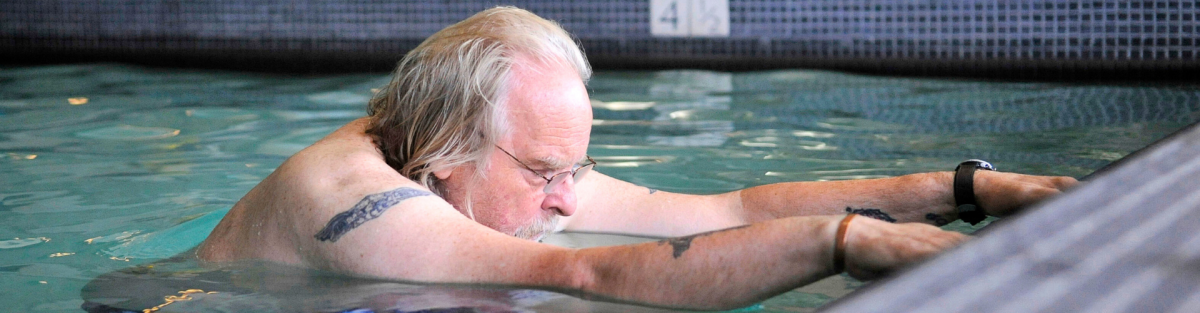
x: 549, y: 149
x: 546, y: 146
x: 549, y: 115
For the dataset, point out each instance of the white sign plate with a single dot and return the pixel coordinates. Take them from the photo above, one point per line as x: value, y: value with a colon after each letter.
x: 689, y: 18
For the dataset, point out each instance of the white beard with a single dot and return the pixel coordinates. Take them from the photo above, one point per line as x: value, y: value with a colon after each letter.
x: 538, y: 229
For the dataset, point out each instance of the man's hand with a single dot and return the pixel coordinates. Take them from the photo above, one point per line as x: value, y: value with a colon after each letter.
x: 875, y: 248
x: 1002, y: 194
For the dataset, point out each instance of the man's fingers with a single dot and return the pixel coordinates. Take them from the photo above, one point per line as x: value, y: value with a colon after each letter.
x: 1064, y: 182
x: 1043, y: 189
x: 1002, y: 194
x: 952, y: 239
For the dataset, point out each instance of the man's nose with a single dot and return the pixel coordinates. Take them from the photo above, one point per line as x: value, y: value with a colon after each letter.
x: 561, y: 198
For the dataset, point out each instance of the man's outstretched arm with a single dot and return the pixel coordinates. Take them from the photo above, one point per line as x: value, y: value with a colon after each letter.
x: 610, y: 205
x: 742, y: 265
x: 422, y: 238
x: 925, y: 197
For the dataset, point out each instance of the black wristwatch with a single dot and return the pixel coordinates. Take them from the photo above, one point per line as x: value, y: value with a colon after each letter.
x: 964, y: 190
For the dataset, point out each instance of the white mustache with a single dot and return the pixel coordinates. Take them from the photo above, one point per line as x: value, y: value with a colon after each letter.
x: 538, y: 229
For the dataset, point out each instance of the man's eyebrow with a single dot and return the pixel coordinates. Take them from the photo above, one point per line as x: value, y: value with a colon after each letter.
x: 552, y: 163
x: 549, y: 163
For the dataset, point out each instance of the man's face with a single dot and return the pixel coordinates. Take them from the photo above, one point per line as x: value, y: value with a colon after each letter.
x: 550, y: 118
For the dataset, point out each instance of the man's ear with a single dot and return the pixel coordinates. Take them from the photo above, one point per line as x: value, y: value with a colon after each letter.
x: 443, y: 173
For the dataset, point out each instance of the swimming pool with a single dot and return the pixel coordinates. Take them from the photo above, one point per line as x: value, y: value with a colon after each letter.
x: 103, y: 167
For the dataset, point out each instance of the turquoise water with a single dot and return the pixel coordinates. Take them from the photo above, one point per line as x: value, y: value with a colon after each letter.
x: 104, y: 167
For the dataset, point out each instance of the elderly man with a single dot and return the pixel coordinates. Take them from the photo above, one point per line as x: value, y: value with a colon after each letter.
x: 477, y: 149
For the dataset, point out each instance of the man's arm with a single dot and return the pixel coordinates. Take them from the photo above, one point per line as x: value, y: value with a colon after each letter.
x: 925, y: 197
x: 422, y: 238
x: 610, y: 205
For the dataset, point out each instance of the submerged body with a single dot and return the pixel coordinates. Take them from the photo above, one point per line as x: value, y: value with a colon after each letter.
x: 368, y: 200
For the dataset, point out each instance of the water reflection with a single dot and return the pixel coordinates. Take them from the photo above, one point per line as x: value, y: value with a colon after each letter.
x: 684, y: 109
x: 180, y: 285
x: 21, y: 242
x: 129, y: 132
x: 114, y: 184
x: 632, y: 161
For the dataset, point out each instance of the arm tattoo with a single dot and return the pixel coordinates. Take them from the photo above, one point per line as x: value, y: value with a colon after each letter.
x: 367, y: 209
x: 872, y: 213
x: 652, y: 190
x: 681, y: 244
x: 937, y: 219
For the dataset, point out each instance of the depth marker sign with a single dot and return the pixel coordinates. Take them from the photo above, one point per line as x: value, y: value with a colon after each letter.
x: 689, y: 18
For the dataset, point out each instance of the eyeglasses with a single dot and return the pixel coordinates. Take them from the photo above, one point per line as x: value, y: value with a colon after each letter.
x: 576, y: 172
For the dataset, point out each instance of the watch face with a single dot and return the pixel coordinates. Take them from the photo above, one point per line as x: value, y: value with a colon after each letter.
x: 980, y: 164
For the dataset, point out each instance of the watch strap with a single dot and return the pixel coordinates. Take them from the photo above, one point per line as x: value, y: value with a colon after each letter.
x: 964, y: 190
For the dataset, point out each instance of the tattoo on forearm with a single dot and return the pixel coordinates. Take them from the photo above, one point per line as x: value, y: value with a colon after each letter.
x: 872, y: 213
x: 369, y: 208
x: 937, y: 219
x: 681, y: 244
x: 652, y: 190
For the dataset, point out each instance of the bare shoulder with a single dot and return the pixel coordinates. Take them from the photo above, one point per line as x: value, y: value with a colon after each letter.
x: 346, y: 155
x: 337, y: 206
x: 323, y: 178
x: 363, y: 218
x: 279, y: 219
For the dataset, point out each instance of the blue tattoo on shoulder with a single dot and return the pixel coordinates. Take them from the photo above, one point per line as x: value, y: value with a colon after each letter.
x: 367, y: 209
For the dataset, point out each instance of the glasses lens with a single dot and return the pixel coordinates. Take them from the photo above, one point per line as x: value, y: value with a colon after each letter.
x: 555, y: 180
x: 560, y: 177
x: 582, y: 171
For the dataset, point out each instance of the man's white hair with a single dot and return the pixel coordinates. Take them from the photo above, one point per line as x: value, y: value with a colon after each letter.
x: 445, y: 104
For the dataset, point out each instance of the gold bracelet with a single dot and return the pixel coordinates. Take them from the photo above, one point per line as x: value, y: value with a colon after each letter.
x: 839, y: 248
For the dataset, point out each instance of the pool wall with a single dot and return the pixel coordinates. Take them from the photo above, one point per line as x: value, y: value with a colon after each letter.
x: 1028, y: 38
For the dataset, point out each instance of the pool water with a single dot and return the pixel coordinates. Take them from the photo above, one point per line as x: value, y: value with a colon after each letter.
x: 104, y: 167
